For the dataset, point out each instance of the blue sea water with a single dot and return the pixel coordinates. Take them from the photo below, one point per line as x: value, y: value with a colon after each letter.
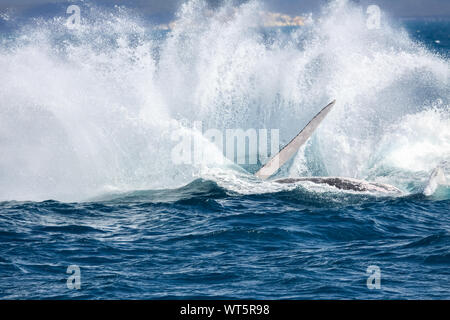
x: 217, y: 235
x: 208, y: 244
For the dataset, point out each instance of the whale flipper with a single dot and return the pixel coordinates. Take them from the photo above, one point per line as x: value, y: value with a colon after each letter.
x: 338, y: 182
x: 292, y: 147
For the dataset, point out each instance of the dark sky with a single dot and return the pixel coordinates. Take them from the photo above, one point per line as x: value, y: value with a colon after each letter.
x: 166, y: 8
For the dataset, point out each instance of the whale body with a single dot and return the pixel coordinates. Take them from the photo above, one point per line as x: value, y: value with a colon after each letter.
x: 437, y: 177
x: 291, y: 149
x: 347, y: 184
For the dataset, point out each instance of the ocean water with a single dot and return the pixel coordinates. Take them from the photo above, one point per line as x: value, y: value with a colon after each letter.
x: 89, y: 178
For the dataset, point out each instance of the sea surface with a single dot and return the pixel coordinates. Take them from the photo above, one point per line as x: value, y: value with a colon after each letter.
x: 90, y: 186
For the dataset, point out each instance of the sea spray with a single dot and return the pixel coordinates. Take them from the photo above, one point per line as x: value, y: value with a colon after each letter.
x: 92, y: 110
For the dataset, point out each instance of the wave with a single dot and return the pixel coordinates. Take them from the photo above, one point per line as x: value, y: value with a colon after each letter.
x: 91, y: 111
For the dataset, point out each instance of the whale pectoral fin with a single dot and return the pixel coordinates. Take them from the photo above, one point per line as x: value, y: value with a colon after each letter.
x: 292, y: 147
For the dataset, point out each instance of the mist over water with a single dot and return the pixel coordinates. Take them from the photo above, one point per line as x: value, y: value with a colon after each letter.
x: 91, y: 111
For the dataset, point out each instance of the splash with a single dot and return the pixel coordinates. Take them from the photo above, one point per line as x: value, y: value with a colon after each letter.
x: 89, y: 111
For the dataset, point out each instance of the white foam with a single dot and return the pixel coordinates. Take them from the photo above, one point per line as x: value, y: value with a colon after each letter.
x: 96, y: 113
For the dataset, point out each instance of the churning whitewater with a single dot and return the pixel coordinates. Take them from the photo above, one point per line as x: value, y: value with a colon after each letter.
x: 89, y: 111
x: 87, y: 175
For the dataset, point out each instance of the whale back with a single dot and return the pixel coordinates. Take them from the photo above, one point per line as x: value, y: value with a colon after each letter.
x: 348, y: 184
